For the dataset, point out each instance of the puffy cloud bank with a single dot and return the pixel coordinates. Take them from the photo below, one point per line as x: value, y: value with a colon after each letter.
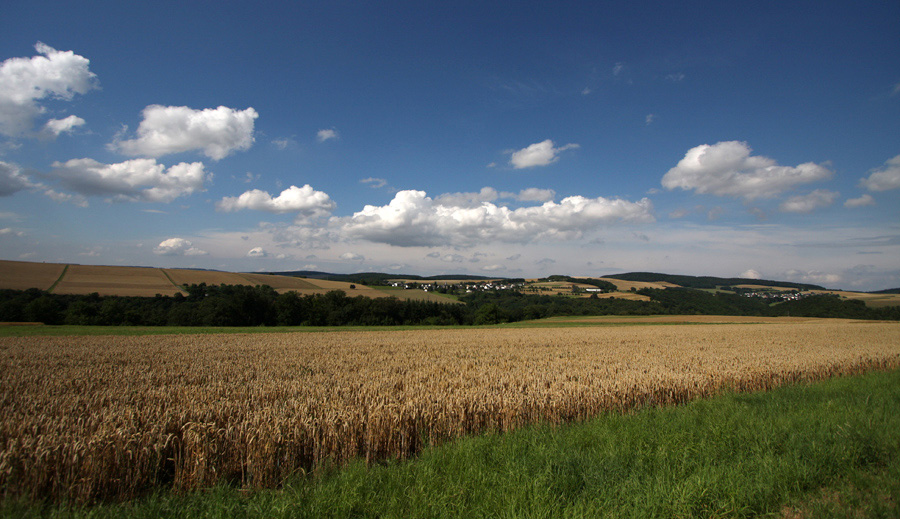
x: 885, y: 178
x: 178, y: 247
x: 414, y: 219
x: 304, y: 200
x: 217, y: 132
x: 133, y: 180
x: 728, y: 169
x: 808, y: 203
x: 26, y: 81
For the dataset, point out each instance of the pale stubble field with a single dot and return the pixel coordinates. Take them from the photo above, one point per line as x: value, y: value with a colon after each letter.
x: 109, y: 417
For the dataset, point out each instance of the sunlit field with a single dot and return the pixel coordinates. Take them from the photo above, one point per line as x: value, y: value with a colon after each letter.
x: 109, y: 417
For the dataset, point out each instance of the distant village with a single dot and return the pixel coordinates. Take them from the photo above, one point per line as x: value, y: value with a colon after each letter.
x: 467, y: 287
x: 464, y: 287
x: 775, y: 295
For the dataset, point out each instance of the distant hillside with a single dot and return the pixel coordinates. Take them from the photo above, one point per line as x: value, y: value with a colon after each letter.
x: 887, y: 291
x: 707, y: 281
x: 313, y: 274
x: 375, y: 278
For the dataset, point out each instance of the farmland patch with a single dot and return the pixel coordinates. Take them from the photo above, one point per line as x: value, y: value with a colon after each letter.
x: 22, y: 275
x: 120, y: 281
x: 119, y: 415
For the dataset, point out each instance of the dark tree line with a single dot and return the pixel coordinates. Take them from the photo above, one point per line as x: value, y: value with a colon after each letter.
x: 708, y: 282
x: 239, y: 305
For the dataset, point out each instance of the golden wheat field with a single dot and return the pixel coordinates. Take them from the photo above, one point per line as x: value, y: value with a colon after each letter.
x: 22, y: 275
x: 183, y: 277
x: 87, y: 418
x: 122, y: 281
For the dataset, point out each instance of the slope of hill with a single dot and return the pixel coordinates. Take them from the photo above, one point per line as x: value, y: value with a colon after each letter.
x: 377, y: 278
x: 75, y: 279
x: 707, y: 281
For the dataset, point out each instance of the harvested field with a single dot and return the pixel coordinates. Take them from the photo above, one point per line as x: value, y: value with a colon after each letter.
x: 110, y: 417
x: 872, y: 300
x: 626, y: 286
x: 690, y: 319
x: 765, y: 287
x: 630, y: 296
x: 280, y: 282
x: 414, y: 295
x: 147, y: 281
x: 210, y: 277
x: 22, y: 275
x: 327, y: 285
x: 115, y: 281
x: 305, y: 286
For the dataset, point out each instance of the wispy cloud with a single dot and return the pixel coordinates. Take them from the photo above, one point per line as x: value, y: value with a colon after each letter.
x: 326, y: 135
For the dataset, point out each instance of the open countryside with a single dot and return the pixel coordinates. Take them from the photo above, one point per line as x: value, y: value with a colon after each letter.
x: 183, y: 412
x: 149, y: 281
x: 120, y: 415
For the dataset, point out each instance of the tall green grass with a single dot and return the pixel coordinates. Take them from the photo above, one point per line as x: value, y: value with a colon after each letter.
x: 736, y: 455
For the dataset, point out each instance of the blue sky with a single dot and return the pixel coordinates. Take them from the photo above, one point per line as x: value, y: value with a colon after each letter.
x: 706, y: 138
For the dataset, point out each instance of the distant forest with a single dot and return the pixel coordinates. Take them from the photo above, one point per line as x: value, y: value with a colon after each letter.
x: 708, y: 281
x: 237, y: 305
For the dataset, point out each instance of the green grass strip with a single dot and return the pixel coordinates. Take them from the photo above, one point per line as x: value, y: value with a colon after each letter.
x: 736, y: 455
x: 68, y: 330
x: 60, y: 278
x: 176, y: 285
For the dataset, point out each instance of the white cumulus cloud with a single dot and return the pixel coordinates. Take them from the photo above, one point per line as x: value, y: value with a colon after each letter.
x: 750, y: 274
x: 862, y: 201
x: 8, y: 231
x: 814, y: 277
x: 810, y: 202
x: 538, y: 154
x: 55, y: 127
x: 325, y: 135
x: 884, y: 178
x: 414, y: 219
x: 133, y: 180
x: 374, y: 183
x: 26, y: 81
x: 728, y: 169
x: 304, y: 200
x: 174, y: 129
x: 12, y: 179
x: 532, y: 194
x: 178, y: 247
x: 487, y: 194
x: 352, y: 256
x: 257, y: 252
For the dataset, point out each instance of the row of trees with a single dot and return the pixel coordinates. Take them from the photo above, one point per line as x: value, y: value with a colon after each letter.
x: 237, y: 305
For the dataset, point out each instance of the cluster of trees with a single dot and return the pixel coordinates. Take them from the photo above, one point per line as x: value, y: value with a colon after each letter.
x: 686, y: 301
x: 237, y: 305
x: 224, y: 305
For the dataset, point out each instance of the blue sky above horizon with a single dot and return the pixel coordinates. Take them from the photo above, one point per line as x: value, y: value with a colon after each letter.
x: 696, y: 138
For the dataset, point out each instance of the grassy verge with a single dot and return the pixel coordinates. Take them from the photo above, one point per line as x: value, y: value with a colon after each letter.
x: 174, y: 284
x: 60, y: 278
x: 40, y: 330
x: 738, y: 455
x: 64, y: 330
